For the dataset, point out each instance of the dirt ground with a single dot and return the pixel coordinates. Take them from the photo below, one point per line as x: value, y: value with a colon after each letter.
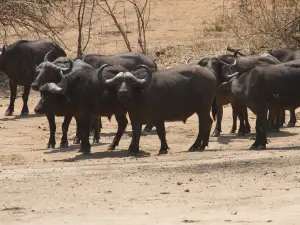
x: 226, y: 184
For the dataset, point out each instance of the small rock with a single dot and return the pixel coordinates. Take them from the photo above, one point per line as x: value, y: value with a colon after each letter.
x: 269, y: 221
x: 233, y: 213
x: 191, y: 179
x: 265, y: 173
x: 44, y: 160
x: 164, y: 193
x: 108, y: 192
x: 186, y: 190
x: 179, y: 183
x: 264, y: 189
x: 287, y: 189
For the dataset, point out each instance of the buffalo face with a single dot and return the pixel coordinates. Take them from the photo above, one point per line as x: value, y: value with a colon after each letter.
x: 48, y: 72
x: 127, y: 82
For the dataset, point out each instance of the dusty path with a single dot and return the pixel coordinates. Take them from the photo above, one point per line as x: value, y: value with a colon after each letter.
x: 227, y: 184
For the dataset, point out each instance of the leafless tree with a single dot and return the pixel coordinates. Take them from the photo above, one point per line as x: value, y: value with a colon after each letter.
x: 142, y: 11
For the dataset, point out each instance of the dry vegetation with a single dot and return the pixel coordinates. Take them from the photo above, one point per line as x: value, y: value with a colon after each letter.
x: 226, y: 184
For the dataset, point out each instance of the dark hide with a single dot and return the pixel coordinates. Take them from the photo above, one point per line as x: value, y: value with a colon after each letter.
x: 88, y: 97
x: 168, y: 95
x: 265, y: 87
x: 18, y: 61
x: 128, y: 60
x: 224, y: 65
x: 285, y: 55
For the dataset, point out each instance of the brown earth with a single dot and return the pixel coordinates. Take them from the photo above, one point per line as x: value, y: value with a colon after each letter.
x: 226, y: 184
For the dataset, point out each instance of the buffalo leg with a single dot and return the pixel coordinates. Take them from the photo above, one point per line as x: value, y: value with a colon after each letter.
x: 218, y: 129
x: 25, y: 95
x: 161, y: 132
x: 261, y: 127
x: 293, y: 119
x: 76, y: 139
x: 205, y: 123
x: 134, y: 146
x: 234, y: 120
x: 65, y: 127
x: 282, y: 117
x: 84, y: 131
x: 52, y: 126
x: 97, y: 124
x: 122, y: 124
x: 247, y: 124
x: 13, y: 94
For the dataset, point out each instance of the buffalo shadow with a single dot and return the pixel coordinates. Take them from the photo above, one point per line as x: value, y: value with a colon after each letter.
x: 107, y: 154
x: 227, y: 138
x: 12, y: 118
x: 70, y: 148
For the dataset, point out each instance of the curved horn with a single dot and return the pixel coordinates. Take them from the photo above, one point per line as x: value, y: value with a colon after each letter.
x: 46, y: 58
x: 187, y: 62
x: 54, y: 88
x: 112, y: 80
x: 146, y: 80
x: 100, y: 71
x: 236, y: 52
x: 232, y: 75
x: 230, y: 65
x: 64, y: 70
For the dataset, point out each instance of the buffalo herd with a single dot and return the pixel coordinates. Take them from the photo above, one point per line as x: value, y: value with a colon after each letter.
x: 94, y: 86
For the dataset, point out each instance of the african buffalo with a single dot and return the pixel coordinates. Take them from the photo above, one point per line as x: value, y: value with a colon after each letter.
x: 224, y: 64
x: 18, y: 61
x: 266, y: 87
x: 285, y: 55
x: 88, y: 97
x: 168, y: 95
x: 128, y: 60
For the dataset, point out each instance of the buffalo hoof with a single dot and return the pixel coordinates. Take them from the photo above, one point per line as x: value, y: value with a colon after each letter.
x: 240, y: 134
x: 96, y: 141
x: 51, y: 145
x: 261, y: 147
x: 216, y: 134
x: 133, y: 150
x: 163, y: 152
x: 8, y: 112
x: 111, y: 147
x: 76, y: 140
x: 290, y: 124
x: 24, y: 113
x: 253, y: 147
x: 196, y: 149
x: 64, y: 145
x: 84, y: 152
x: 232, y: 131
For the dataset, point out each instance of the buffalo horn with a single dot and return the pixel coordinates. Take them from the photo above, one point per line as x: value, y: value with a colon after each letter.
x: 188, y: 61
x: 146, y: 80
x: 232, y: 75
x: 54, y: 88
x: 112, y: 80
x: 100, y: 71
x: 46, y: 58
x: 64, y: 70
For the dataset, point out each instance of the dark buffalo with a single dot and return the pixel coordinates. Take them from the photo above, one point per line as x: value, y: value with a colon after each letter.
x: 55, y: 76
x: 18, y: 61
x: 86, y: 95
x: 168, y: 95
x: 267, y: 87
x: 285, y: 55
x: 224, y: 64
x: 128, y: 60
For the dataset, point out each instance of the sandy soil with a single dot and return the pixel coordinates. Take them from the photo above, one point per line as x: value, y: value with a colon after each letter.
x: 226, y: 184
